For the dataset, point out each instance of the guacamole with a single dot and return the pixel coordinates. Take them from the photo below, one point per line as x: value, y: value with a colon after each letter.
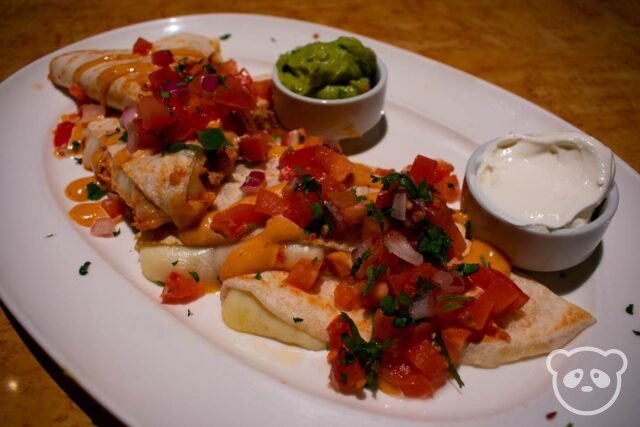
x: 339, y: 69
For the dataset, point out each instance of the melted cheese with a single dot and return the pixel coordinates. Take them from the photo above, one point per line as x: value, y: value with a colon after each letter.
x: 260, y: 253
x: 482, y: 253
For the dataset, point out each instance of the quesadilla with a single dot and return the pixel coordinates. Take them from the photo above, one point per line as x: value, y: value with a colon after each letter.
x: 117, y: 78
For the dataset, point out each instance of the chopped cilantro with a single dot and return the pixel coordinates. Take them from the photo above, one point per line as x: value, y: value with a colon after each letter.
x: 95, y: 192
x: 124, y: 137
x: 273, y: 39
x: 636, y: 332
x: 116, y: 233
x: 373, y: 273
x: 361, y: 198
x: 179, y: 146
x: 225, y: 36
x: 189, y: 313
x: 368, y: 354
x: 114, y: 132
x: 343, y: 377
x: 298, y: 319
x: 483, y: 261
x: 416, y: 192
x: 174, y: 263
x: 434, y: 244
x: 208, y: 68
x: 629, y: 309
x: 378, y: 214
x: 218, y: 279
x: 212, y: 139
x: 443, y: 351
x: 318, y: 212
x: 50, y: 235
x: 258, y: 276
x: 84, y: 268
x: 165, y: 95
x: 455, y: 302
x: 159, y: 283
x: 467, y: 269
x: 398, y: 308
x: 362, y: 258
x: 450, y: 185
x: 195, y: 276
x: 307, y: 184
x: 75, y: 145
x: 467, y: 229
x: 78, y: 160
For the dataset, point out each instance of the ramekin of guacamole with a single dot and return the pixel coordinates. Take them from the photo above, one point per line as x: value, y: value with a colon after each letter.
x: 340, y: 69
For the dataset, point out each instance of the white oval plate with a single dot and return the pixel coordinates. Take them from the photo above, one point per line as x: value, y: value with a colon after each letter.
x: 154, y: 365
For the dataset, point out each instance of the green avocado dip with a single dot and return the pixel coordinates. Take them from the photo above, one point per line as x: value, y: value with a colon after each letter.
x: 339, y: 69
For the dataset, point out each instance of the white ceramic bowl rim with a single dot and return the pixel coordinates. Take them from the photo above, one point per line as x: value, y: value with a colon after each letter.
x: 377, y: 87
x: 605, y: 211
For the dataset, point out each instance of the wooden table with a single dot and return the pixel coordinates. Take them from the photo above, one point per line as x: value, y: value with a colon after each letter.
x: 579, y: 60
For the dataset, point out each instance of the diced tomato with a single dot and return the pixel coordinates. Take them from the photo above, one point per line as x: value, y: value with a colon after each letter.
x: 238, y: 220
x: 428, y: 359
x: 142, y: 46
x: 162, y: 57
x: 180, y: 289
x: 382, y: 326
x: 331, y: 186
x: 255, y: 146
x: 455, y: 339
x: 407, y: 280
x: 335, y: 164
x: 424, y: 168
x: 235, y: 95
x: 347, y: 376
x: 304, y: 274
x: 78, y: 94
x: 62, y: 134
x: 263, y: 89
x: 227, y: 68
x: 299, y: 162
x: 269, y: 203
x: 403, y: 375
x: 155, y: 115
x: 112, y: 207
x: 474, y: 314
x: 162, y: 76
x: 449, y: 188
x: 506, y: 296
x: 298, y: 208
x: 339, y: 264
x: 347, y: 296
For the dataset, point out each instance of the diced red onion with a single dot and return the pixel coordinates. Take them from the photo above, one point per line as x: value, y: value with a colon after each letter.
x: 128, y: 115
x: 422, y: 307
x: 171, y: 85
x: 447, y: 282
x: 90, y: 112
x: 180, y: 94
x: 210, y: 82
x: 103, y: 227
x: 442, y: 278
x: 398, y: 245
x: 294, y: 137
x: 399, y: 206
x: 253, y: 182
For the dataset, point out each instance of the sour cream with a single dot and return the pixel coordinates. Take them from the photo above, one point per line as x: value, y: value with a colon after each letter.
x: 553, y: 180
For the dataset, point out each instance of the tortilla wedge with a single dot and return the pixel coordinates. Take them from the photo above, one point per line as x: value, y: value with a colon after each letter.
x: 286, y: 303
x: 117, y: 77
x: 545, y: 323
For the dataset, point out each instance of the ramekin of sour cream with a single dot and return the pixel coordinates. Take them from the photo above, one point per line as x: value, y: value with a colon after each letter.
x: 545, y: 200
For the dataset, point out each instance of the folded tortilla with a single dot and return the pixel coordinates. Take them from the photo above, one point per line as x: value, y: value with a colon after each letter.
x: 545, y: 323
x: 159, y: 188
x: 309, y: 313
x: 117, y: 78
